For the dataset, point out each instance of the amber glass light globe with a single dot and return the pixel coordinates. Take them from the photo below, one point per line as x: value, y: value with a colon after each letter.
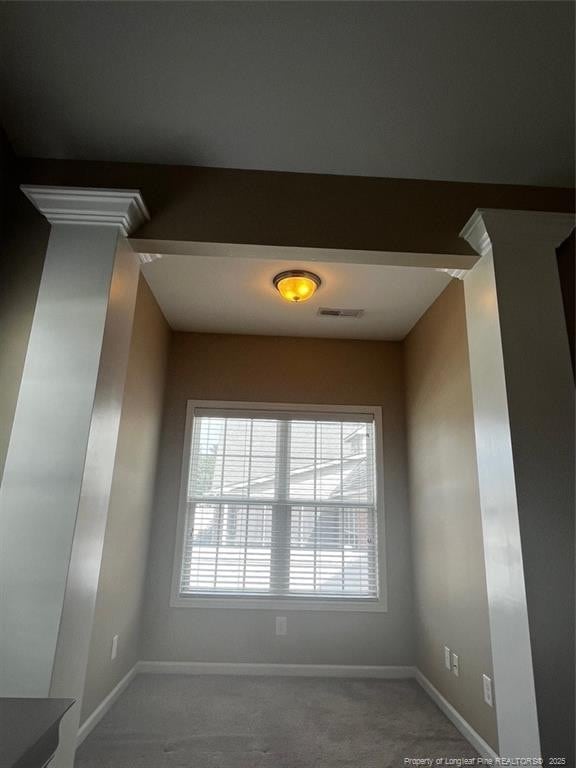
x: 296, y: 285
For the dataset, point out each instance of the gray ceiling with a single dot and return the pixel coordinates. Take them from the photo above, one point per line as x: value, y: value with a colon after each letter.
x: 477, y: 91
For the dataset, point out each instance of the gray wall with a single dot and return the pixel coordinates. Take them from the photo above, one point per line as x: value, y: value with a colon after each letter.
x: 566, y: 255
x: 450, y: 581
x: 269, y: 369
x: 23, y: 238
x: 122, y: 573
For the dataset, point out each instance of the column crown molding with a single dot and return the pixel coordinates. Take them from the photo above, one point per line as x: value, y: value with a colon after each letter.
x: 457, y: 274
x: 123, y: 208
x: 540, y: 228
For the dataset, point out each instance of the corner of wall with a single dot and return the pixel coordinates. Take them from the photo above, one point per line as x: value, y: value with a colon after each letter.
x: 119, y: 602
x: 451, y: 605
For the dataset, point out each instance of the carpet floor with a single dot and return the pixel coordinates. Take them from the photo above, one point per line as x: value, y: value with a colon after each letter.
x: 183, y: 721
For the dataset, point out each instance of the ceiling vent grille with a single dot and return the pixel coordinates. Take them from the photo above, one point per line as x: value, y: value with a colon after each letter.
x: 333, y: 312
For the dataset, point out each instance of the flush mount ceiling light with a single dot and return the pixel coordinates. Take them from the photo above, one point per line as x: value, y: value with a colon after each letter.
x: 296, y: 285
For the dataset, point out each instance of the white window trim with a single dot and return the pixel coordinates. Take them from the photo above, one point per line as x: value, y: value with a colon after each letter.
x: 357, y: 605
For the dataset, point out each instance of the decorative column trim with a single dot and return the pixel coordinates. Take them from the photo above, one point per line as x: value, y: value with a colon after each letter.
x: 475, y: 233
x: 123, y: 208
x: 541, y: 227
x: 457, y: 274
x: 148, y: 258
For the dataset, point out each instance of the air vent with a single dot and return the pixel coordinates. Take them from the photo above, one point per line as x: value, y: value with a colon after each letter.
x: 333, y: 312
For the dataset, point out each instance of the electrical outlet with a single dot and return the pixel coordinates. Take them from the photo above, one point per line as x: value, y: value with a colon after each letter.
x: 114, y: 650
x: 281, y: 625
x: 487, y: 686
x: 455, y: 664
x: 447, y: 662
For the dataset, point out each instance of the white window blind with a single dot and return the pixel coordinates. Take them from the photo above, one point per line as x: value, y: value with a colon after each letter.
x: 280, y: 504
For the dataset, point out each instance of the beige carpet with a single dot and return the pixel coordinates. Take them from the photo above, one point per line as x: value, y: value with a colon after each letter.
x: 179, y: 721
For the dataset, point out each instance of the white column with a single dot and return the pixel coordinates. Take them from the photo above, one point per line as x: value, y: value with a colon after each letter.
x: 523, y: 393
x: 56, y: 483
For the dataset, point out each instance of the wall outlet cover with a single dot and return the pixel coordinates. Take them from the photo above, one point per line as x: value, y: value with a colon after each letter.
x: 281, y: 625
x: 114, y: 650
x: 447, y: 661
x: 487, y: 686
x: 455, y: 664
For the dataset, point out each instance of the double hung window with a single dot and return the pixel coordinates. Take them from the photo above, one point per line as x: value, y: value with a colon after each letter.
x: 279, y: 502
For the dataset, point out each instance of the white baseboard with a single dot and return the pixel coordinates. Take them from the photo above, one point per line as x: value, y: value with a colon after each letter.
x: 92, y: 721
x: 484, y: 749
x: 281, y: 670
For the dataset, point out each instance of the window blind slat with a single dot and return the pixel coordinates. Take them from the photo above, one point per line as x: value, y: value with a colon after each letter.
x: 280, y: 506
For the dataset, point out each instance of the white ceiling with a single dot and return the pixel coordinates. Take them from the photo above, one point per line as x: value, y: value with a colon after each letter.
x: 463, y: 91
x: 214, y: 294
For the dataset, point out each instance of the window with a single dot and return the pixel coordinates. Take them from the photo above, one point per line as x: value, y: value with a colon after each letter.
x: 278, y: 503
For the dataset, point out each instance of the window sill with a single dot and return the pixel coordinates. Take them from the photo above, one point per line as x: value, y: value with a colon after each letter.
x: 348, y: 605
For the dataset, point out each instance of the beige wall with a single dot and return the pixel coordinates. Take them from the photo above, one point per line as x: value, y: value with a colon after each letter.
x: 257, y: 368
x: 450, y: 584
x: 122, y: 574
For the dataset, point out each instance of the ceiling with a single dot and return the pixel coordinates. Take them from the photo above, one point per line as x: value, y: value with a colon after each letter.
x: 214, y: 294
x: 473, y: 91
